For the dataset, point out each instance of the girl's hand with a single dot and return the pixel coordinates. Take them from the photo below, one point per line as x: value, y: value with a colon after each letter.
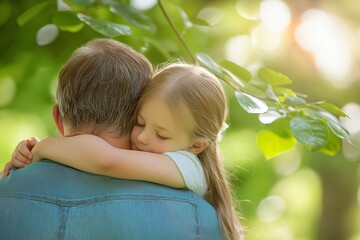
x: 22, y: 155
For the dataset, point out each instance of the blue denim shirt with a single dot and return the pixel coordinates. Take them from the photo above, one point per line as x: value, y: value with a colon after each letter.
x: 48, y: 201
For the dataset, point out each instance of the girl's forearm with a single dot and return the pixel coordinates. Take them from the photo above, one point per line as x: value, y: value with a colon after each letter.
x: 93, y: 154
x: 81, y: 152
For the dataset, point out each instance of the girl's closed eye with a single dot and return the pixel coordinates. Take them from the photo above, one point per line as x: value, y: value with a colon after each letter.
x: 162, y: 136
x: 140, y: 123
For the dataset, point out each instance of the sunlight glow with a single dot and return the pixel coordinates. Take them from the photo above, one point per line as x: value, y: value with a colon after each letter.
x: 287, y: 163
x: 143, y: 5
x: 211, y: 15
x: 262, y: 38
x: 271, y: 209
x: 300, y: 190
x: 239, y: 50
x: 7, y: 90
x: 275, y: 15
x: 352, y: 152
x: 18, y: 126
x: 328, y: 40
x: 353, y: 111
x: 248, y: 9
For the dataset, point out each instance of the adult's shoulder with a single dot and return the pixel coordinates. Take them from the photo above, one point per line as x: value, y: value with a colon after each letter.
x: 48, y: 178
x: 55, y: 183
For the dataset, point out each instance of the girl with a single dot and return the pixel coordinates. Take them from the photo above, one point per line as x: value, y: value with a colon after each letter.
x: 180, y: 116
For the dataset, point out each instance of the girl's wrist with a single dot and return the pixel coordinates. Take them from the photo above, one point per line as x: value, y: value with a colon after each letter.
x: 36, y: 154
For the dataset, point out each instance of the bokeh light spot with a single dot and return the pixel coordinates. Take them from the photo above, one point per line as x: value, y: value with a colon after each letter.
x: 352, y: 123
x: 143, y: 5
x: 47, y: 34
x: 211, y: 15
x: 7, y: 91
x: 275, y: 15
x: 271, y: 208
x: 248, y: 9
x: 328, y: 40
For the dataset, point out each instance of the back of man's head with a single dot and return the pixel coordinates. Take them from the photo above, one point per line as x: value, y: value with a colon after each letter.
x: 99, y: 86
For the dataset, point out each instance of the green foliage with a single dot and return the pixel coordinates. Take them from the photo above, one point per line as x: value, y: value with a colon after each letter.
x: 32, y: 12
x: 68, y: 21
x: 107, y: 28
x: 132, y: 16
x: 261, y: 92
x: 310, y: 131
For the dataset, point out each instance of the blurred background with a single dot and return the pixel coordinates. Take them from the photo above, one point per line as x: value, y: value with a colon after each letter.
x: 299, y: 195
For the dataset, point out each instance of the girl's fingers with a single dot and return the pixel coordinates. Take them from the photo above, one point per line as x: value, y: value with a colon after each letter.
x: 31, y: 142
x: 19, y: 156
x: 7, y: 168
x: 24, y: 149
x: 17, y: 163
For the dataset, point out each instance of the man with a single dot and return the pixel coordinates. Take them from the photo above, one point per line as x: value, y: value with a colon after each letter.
x: 97, y: 93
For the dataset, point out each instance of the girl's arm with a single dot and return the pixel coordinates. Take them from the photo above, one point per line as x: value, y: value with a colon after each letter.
x: 21, y: 156
x: 92, y: 154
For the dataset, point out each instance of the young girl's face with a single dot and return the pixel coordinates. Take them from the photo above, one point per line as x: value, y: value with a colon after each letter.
x: 157, y: 131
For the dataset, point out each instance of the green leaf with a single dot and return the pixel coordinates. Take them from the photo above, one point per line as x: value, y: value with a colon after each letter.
x: 237, y: 70
x: 83, y: 2
x: 228, y: 76
x: 281, y: 127
x: 270, y: 116
x: 67, y: 21
x: 155, y: 49
x: 259, y: 84
x: 285, y: 91
x: 274, y: 78
x: 270, y: 92
x: 242, y: 85
x: 333, y: 109
x: 294, y: 101
x: 335, y: 126
x: 312, y: 132
x: 250, y: 103
x: 313, y: 113
x: 132, y: 16
x: 209, y: 63
x: 104, y: 27
x: 200, y: 23
x: 246, y: 87
x: 271, y: 144
x: 32, y: 12
x: 332, y: 147
x: 185, y: 18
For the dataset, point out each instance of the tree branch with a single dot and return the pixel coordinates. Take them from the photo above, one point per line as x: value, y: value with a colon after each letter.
x: 176, y: 32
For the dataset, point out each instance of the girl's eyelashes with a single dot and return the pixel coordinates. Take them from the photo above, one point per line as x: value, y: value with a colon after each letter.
x: 162, y: 137
x: 140, y: 124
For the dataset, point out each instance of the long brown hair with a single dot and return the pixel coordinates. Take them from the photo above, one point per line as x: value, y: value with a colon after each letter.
x: 203, y: 95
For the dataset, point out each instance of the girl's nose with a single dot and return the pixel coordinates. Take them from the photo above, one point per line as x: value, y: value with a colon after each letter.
x: 143, y: 137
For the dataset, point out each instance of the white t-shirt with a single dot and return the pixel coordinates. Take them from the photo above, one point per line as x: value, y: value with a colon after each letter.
x: 191, y: 170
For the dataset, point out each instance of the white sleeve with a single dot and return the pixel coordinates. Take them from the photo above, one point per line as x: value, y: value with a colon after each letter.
x: 191, y: 170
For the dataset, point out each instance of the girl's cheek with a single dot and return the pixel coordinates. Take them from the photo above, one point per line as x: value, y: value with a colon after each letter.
x: 160, y: 147
x: 134, y: 132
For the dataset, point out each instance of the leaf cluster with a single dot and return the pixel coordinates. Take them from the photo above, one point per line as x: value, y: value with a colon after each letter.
x: 287, y: 116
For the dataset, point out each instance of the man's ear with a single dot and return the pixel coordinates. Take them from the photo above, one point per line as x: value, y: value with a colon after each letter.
x: 58, y: 119
x: 199, y: 145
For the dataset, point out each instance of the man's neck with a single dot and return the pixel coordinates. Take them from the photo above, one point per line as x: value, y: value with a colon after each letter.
x: 118, y: 142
